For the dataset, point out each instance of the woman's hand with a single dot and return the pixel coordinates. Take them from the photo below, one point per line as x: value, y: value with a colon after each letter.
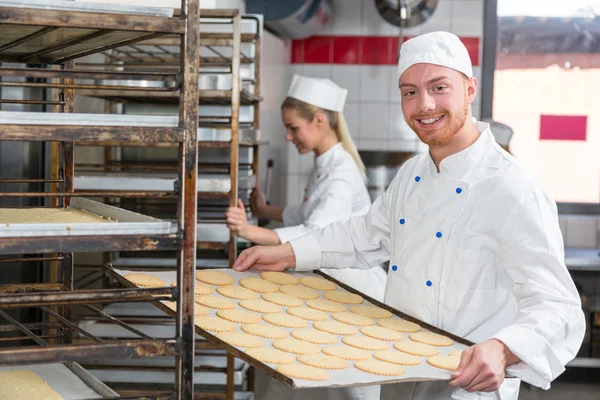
x: 237, y: 221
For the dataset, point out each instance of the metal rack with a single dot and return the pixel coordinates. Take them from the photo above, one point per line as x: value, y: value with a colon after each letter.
x: 56, y: 37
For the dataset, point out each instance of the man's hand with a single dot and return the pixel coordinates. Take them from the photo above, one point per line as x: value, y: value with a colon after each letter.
x: 237, y: 220
x: 481, y: 367
x: 271, y: 258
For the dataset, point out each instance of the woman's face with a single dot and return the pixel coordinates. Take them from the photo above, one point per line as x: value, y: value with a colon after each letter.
x: 304, y: 134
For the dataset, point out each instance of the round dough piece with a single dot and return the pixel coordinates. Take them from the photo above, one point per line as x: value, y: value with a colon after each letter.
x: 352, y: 319
x: 370, y: 311
x: 336, y: 328
x: 347, y: 352
x: 265, y: 331
x: 145, y: 280
x: 397, y: 357
x: 314, y: 336
x: 417, y: 349
x: 282, y: 299
x: 280, y: 278
x: 296, y: 346
x: 239, y: 316
x: 240, y: 339
x: 307, y: 313
x: 199, y: 288
x: 302, y: 371
x: 323, y: 361
x: 444, y: 362
x: 199, y: 311
x: 260, y: 306
x: 214, y: 277
x: 379, y: 367
x: 343, y: 297
x: 381, y: 333
x: 214, y: 324
x: 432, y: 339
x: 237, y: 293
x: 399, y: 325
x: 299, y: 291
x: 365, y: 343
x: 456, y: 353
x: 215, y: 302
x: 270, y: 356
x: 315, y: 282
x: 286, y: 321
x: 259, y: 285
x: 326, y: 305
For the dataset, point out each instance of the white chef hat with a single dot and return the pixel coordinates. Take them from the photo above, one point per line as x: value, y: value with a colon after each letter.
x: 439, y: 48
x: 318, y: 92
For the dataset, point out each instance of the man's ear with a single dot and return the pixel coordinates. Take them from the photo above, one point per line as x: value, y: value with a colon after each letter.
x: 472, y: 85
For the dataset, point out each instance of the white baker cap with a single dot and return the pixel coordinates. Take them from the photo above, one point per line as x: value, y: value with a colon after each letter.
x: 318, y: 92
x: 439, y: 48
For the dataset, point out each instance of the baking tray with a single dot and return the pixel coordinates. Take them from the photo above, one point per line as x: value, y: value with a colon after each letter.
x: 42, y: 118
x: 69, y: 380
x: 350, y: 377
x: 65, y: 5
x: 203, y: 263
x: 129, y: 223
x: 246, y: 137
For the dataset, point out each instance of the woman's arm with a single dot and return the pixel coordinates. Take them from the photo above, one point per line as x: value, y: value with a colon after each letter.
x: 238, y: 223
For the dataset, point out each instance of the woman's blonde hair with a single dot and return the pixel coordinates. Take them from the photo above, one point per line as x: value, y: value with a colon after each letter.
x: 337, y: 123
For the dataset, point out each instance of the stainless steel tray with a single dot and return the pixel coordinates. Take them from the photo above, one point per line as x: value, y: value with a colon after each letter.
x: 129, y: 223
x: 65, y: 5
x: 42, y: 118
x: 247, y: 137
x: 124, y: 262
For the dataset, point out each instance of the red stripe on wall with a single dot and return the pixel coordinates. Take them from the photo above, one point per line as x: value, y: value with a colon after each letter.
x: 366, y: 50
x: 563, y: 127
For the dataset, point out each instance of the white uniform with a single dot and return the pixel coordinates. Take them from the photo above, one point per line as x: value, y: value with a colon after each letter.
x: 335, y: 191
x: 475, y: 250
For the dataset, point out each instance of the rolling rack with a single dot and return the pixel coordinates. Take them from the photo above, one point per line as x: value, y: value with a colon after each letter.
x: 53, y: 33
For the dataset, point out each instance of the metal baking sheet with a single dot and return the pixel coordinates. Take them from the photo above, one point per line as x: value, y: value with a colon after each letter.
x: 71, y: 383
x: 164, y: 377
x: 66, y: 5
x: 341, y: 378
x: 129, y: 223
x: 208, y: 263
x: 246, y: 136
x: 42, y: 118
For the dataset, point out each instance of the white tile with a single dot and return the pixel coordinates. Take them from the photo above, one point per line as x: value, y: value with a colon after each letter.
x: 375, y: 82
x: 374, y: 144
x: 582, y: 231
x: 352, y: 115
x: 307, y: 161
x: 293, y: 159
x: 374, y: 24
x: 323, y: 71
x: 373, y: 121
x: 348, y: 77
x: 346, y: 17
x: 403, y: 145
x: 441, y: 19
x: 398, y: 129
x: 467, y: 17
x: 562, y: 221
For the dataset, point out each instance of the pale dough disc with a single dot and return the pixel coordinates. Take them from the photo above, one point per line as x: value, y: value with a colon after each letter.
x: 260, y: 306
x: 444, y: 362
x: 215, y: 302
x: 455, y: 353
x: 307, y: 313
x: 214, y: 277
x: 265, y: 331
x: 323, y: 361
x: 343, y: 297
x: 314, y: 336
x: 286, y: 321
x: 365, y: 343
x: 417, y: 349
x: 302, y: 371
x: 296, y: 346
x: 370, y: 311
x: 239, y: 316
x: 237, y: 293
x: 337, y: 328
x: 325, y: 305
x: 299, y: 291
x: 214, y: 324
x: 432, y: 339
x: 199, y: 289
x: 145, y: 280
x: 379, y: 367
x: 25, y: 385
x: 399, y: 325
x: 315, y: 282
x: 347, y: 352
x: 397, y: 357
x: 282, y: 299
x: 259, y: 285
x: 352, y: 319
x: 270, y: 356
x: 240, y: 339
x: 281, y: 278
x: 379, y: 332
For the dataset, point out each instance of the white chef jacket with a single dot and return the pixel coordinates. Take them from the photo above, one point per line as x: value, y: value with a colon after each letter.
x: 475, y: 250
x: 335, y: 190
